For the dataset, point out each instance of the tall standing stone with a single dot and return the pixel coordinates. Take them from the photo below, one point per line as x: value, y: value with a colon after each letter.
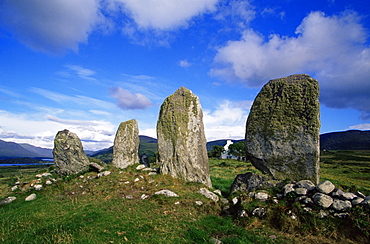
x: 69, y: 156
x: 282, y: 130
x: 126, y: 145
x: 181, y: 139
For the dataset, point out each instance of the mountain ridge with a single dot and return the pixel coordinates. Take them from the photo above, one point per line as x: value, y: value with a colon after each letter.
x: 341, y: 140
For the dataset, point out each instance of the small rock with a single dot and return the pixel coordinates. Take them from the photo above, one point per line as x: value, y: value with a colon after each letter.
x: 357, y: 201
x: 292, y: 215
x: 234, y: 200
x: 150, y: 181
x: 322, y: 200
x: 348, y: 196
x: 136, y: 180
x: 144, y: 196
x: 323, y: 214
x: 167, y: 193
x: 218, y: 192
x: 259, y: 212
x: 275, y: 200
x: 140, y: 167
x: 242, y: 213
x: 48, y: 182
x: 261, y: 196
x: 307, y: 209
x: 208, y: 194
x: 129, y: 197
x: 82, y: 176
x: 38, y: 187
x: 127, y: 182
x: 31, y: 197
x: 96, y: 167
x: 215, y: 241
x: 301, y: 191
x: 177, y: 203
x: 14, y: 188
x: 200, y: 203
x: 152, y: 173
x: 337, y: 193
x: 104, y: 173
x: 340, y: 205
x: 17, y: 183
x: 288, y: 188
x: 308, y: 201
x: 359, y: 194
x: 325, y: 187
x: 8, y: 200
x: 307, y: 184
x: 341, y: 215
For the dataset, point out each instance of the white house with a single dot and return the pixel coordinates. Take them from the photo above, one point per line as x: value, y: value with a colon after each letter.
x: 225, y: 154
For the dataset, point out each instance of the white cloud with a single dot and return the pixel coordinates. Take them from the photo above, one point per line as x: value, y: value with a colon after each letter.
x: 74, y: 100
x: 184, y: 63
x: 331, y: 48
x: 166, y: 14
x: 82, y: 72
x: 51, y: 26
x: 365, y: 126
x: 127, y: 100
x: 227, y: 121
x: 95, y: 135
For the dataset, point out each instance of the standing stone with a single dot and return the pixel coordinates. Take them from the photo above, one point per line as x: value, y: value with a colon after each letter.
x: 69, y: 156
x: 126, y: 145
x: 181, y: 139
x: 282, y: 130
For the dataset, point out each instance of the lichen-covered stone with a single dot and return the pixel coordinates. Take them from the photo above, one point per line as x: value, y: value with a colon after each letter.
x: 181, y: 139
x: 126, y: 145
x: 69, y: 156
x: 282, y: 130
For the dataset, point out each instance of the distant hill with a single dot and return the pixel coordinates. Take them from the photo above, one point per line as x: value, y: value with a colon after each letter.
x: 147, y: 145
x: 210, y: 144
x: 43, y: 152
x: 14, y: 150
x: 346, y: 140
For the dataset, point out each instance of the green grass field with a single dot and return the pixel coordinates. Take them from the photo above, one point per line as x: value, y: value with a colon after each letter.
x: 84, y: 210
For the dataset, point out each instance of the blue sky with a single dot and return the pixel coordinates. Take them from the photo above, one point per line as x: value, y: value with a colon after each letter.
x: 89, y: 65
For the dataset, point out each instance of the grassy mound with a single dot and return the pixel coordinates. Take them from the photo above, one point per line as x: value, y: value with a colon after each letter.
x: 122, y: 208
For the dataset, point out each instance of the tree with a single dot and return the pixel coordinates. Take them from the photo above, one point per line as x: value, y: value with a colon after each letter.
x: 216, y: 151
x: 237, y: 150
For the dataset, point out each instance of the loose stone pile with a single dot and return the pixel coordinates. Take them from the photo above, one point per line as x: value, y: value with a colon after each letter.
x: 323, y: 199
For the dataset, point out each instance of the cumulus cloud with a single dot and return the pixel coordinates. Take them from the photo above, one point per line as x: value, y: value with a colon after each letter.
x: 331, y: 48
x: 227, y: 120
x: 127, y: 100
x: 50, y: 26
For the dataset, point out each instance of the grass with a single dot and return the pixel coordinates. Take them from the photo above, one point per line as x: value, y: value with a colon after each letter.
x: 84, y: 209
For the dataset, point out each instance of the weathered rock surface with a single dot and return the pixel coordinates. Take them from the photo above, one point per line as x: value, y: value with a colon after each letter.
x: 282, y: 130
x: 248, y: 182
x: 322, y: 200
x: 167, y: 193
x: 126, y: 145
x: 69, y: 157
x: 96, y: 167
x: 325, y: 187
x: 8, y: 200
x: 208, y: 194
x: 31, y: 197
x: 181, y: 139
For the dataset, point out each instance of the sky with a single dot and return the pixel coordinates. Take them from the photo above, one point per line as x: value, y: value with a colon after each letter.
x: 89, y: 65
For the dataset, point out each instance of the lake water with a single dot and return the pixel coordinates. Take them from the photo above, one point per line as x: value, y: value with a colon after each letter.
x: 48, y: 161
